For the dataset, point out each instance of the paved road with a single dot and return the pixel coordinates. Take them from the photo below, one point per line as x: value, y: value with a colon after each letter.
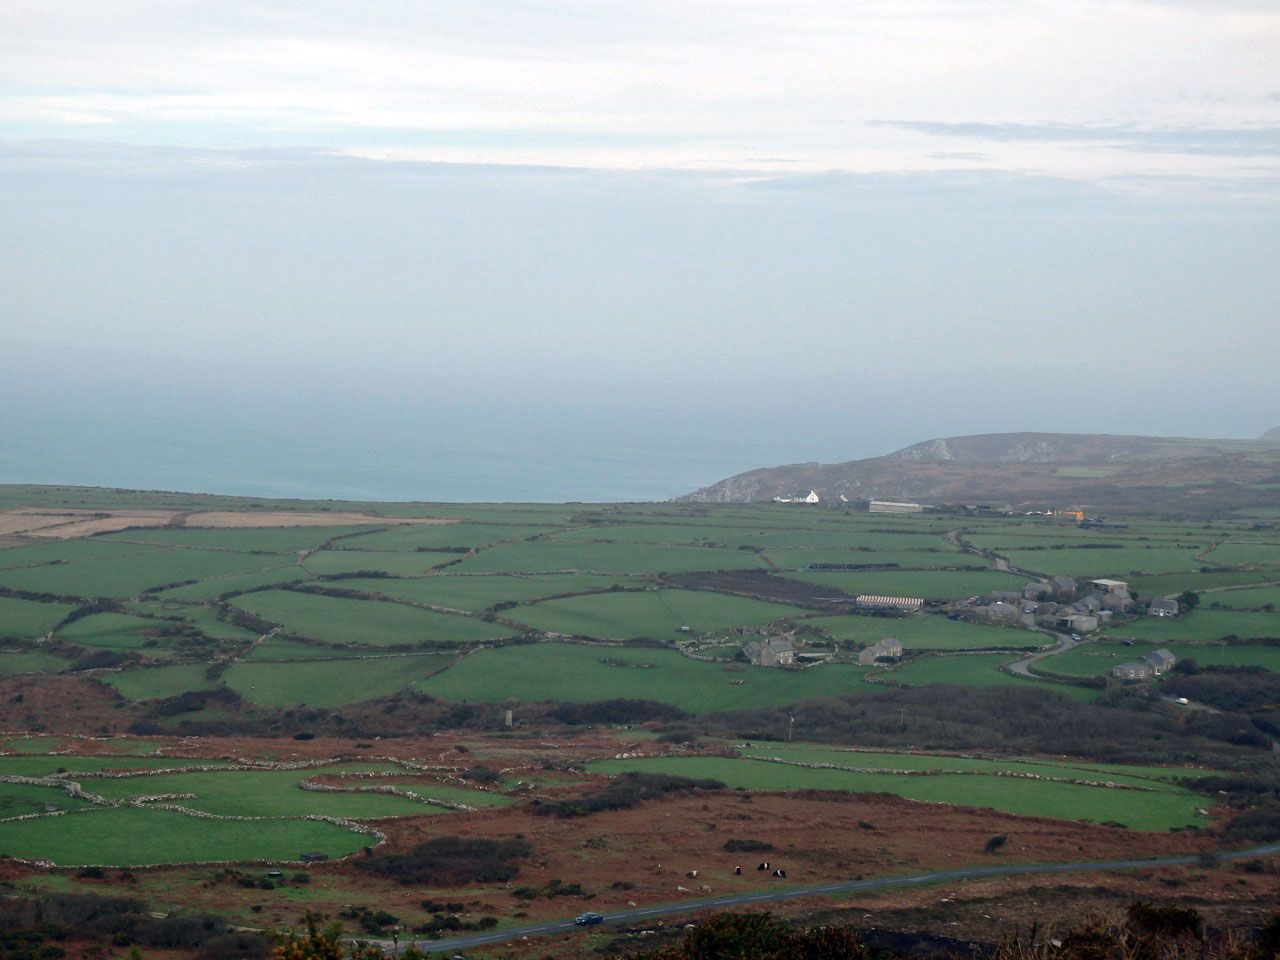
x: 644, y: 914
x: 1023, y: 667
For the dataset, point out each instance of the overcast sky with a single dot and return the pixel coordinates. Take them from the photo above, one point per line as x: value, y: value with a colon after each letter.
x: 762, y: 231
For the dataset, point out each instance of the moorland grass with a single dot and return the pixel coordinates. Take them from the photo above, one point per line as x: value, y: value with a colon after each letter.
x: 651, y: 614
x: 120, y: 837
x: 366, y: 622
x: 580, y: 673
x: 1158, y: 809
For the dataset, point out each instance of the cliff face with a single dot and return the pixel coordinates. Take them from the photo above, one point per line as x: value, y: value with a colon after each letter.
x: 1174, y: 476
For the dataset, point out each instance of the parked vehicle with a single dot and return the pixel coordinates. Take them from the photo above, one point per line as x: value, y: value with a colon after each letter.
x: 586, y: 919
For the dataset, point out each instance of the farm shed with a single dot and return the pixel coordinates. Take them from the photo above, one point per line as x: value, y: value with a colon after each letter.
x: 892, y: 506
x: 874, y: 602
x: 1079, y: 623
x: 1109, y: 586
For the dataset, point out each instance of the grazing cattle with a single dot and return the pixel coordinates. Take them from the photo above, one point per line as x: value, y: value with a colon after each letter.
x: 692, y: 874
x: 780, y: 873
x: 737, y: 871
x: 763, y: 866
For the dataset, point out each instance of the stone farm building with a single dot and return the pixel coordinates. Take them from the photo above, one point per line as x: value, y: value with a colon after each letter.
x: 888, y: 647
x: 1163, y: 607
x: 1154, y: 664
x: 777, y: 652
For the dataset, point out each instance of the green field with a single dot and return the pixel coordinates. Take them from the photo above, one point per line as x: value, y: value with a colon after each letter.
x: 1158, y: 586
x: 328, y: 562
x: 1265, y: 553
x: 266, y: 793
x: 14, y: 662
x: 1201, y: 626
x: 42, y: 765
x: 115, y: 631
x: 651, y: 614
x: 833, y: 537
x: 978, y: 670
x: 131, y: 575
x: 20, y: 799
x: 1159, y: 808
x: 1079, y: 562
x: 436, y: 536
x: 574, y: 673
x: 1128, y: 774
x: 366, y: 622
x: 928, y: 584
x: 134, y: 837
x: 799, y: 560
x: 923, y: 632
x: 27, y: 618
x: 150, y: 683
x: 235, y: 583
x: 1098, y: 657
x: 615, y: 558
x: 481, y: 591
x: 285, y: 540
x: 1242, y: 599
x: 64, y: 551
x: 329, y: 683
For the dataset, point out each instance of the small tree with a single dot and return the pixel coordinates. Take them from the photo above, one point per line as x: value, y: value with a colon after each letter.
x: 996, y: 842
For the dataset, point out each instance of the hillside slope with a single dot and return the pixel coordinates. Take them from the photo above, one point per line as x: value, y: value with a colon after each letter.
x: 1174, y: 476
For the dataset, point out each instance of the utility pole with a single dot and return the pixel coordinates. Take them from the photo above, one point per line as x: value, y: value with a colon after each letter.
x: 902, y: 717
x: 791, y: 722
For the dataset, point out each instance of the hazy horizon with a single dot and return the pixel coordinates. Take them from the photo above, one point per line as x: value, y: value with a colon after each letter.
x: 623, y: 253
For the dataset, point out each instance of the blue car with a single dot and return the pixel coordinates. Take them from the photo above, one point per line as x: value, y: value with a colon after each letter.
x: 587, y: 919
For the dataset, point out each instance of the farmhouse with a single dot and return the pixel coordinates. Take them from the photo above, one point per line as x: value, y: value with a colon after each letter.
x: 810, y: 497
x: 1036, y: 591
x: 1163, y: 607
x: 1160, y: 661
x: 888, y: 647
x: 1064, y: 587
x: 1000, y: 611
x: 891, y: 506
x: 775, y: 652
x: 868, y: 601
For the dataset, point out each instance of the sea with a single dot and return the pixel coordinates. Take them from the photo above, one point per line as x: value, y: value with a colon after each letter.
x: 452, y: 456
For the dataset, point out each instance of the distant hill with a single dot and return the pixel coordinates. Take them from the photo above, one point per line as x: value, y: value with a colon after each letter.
x: 1272, y: 435
x: 1099, y: 472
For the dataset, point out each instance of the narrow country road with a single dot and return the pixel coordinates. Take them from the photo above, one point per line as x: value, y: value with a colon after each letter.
x: 641, y: 914
x: 1023, y: 667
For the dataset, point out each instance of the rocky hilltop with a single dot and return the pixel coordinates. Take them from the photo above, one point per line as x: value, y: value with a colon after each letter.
x: 1271, y: 436
x: 1099, y: 472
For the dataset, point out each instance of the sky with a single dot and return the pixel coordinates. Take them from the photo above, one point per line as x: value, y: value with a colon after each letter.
x: 590, y: 250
